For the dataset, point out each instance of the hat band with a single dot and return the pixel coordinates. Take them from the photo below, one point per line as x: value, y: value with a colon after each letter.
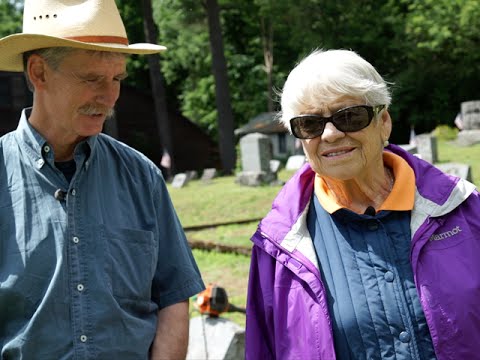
x: 100, y: 39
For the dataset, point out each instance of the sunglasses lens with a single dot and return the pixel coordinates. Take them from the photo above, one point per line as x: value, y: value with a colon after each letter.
x: 307, y: 127
x: 352, y: 119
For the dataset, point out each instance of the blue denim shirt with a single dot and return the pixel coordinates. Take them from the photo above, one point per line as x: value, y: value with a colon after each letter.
x: 82, y: 276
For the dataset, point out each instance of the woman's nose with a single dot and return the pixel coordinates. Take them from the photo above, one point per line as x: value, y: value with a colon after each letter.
x: 331, y: 133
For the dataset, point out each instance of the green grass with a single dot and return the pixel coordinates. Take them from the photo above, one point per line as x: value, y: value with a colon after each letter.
x: 225, y: 201
x: 222, y: 201
x: 449, y: 152
x: 229, y: 271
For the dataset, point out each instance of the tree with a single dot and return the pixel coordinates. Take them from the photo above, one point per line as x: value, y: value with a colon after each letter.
x: 222, y: 92
x: 158, y: 88
x: 10, y: 17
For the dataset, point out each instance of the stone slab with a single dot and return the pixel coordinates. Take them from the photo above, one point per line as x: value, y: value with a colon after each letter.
x: 295, y: 162
x: 470, y: 115
x: 275, y: 166
x: 179, y: 180
x: 215, y: 338
x: 256, y: 152
x: 457, y: 169
x: 255, y: 178
x: 192, y: 175
x: 412, y: 149
x: 209, y: 174
x: 427, y: 147
x: 468, y: 138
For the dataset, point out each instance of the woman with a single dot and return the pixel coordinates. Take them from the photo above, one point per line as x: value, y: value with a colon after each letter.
x: 368, y: 252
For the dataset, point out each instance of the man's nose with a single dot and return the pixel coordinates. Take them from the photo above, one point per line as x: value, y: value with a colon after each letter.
x: 108, y: 93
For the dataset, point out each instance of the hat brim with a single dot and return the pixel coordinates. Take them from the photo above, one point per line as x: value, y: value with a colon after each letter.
x: 13, y: 46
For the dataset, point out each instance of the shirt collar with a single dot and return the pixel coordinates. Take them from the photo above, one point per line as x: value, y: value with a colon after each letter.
x: 400, y: 198
x: 37, y: 147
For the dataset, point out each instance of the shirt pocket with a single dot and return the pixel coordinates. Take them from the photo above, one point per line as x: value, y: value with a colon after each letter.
x: 130, y: 256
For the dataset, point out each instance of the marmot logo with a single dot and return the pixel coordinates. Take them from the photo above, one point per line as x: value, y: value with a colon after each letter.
x: 446, y: 234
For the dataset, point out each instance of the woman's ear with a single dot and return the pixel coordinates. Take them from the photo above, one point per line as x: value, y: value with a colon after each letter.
x: 386, y: 124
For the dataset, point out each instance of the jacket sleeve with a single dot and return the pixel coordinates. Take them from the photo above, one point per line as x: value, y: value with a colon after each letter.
x: 260, y: 332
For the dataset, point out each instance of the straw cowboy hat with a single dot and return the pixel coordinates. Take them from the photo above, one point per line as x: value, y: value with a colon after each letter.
x: 82, y: 24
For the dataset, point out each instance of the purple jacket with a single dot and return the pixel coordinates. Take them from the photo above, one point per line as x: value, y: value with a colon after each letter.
x: 287, y: 316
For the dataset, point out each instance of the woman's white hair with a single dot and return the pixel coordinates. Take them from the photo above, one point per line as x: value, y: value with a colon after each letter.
x: 324, y: 76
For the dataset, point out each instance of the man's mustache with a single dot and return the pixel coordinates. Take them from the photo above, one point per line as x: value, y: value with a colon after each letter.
x: 95, y: 109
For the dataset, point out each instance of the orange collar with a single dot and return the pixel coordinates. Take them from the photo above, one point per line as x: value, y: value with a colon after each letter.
x: 400, y: 198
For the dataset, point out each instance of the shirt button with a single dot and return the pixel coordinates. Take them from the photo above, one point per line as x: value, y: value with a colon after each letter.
x: 83, y: 338
x: 76, y: 240
x: 372, y: 226
x: 74, y: 192
x: 46, y: 148
x: 389, y: 276
x: 80, y: 287
x: 404, y: 336
x: 40, y: 163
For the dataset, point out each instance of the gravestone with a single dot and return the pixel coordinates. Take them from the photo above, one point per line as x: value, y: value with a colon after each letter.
x: 295, y: 162
x: 470, y: 115
x: 180, y: 180
x: 427, y: 147
x: 412, y: 149
x: 457, y: 169
x: 215, y: 338
x: 275, y: 166
x: 192, y: 175
x: 256, y: 153
x: 208, y: 175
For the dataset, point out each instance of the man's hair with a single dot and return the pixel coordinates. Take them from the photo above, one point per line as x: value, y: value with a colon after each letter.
x: 54, y: 56
x: 324, y: 76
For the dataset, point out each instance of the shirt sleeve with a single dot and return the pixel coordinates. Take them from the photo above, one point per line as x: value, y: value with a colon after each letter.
x: 177, y: 276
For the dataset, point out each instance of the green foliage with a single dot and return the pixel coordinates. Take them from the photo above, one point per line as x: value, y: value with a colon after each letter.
x: 428, y: 49
x: 445, y: 132
x: 10, y: 17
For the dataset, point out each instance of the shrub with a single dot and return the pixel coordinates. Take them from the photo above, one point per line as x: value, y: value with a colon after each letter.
x: 445, y: 132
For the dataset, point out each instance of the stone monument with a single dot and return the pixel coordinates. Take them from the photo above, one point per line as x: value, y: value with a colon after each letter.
x: 295, y: 162
x: 180, y: 180
x: 427, y: 147
x: 256, y: 153
x: 215, y: 338
x: 470, y: 115
x: 457, y: 169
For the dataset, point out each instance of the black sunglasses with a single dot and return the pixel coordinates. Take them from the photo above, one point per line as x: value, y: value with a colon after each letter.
x: 350, y: 119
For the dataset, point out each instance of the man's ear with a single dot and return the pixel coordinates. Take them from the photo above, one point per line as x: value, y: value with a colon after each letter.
x: 36, y: 70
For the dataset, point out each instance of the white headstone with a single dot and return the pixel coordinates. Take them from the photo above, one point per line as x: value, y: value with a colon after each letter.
x: 208, y: 174
x: 180, y: 180
x: 295, y: 162
x: 215, y: 338
x: 457, y: 169
x: 192, y: 175
x: 275, y: 166
x: 427, y: 147
x: 412, y: 149
x: 471, y: 115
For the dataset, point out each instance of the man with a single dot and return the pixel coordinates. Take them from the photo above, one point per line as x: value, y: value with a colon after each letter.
x: 94, y: 263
